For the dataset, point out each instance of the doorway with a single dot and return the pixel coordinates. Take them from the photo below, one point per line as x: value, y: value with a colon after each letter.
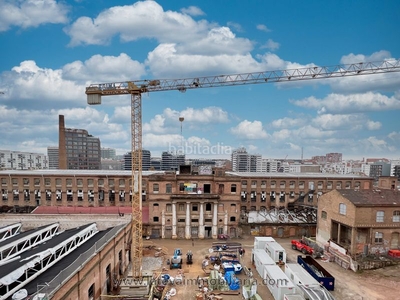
x: 207, y: 230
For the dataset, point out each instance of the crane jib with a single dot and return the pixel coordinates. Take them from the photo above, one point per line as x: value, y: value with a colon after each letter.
x: 309, y: 73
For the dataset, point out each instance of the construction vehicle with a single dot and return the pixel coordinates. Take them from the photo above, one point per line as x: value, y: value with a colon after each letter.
x: 135, y: 88
x: 300, y: 245
x: 176, y: 260
x: 189, y: 257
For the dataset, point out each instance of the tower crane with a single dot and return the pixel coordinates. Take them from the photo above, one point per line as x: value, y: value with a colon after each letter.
x: 135, y: 88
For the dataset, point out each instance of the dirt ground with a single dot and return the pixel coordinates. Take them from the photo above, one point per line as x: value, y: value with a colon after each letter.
x: 380, y: 284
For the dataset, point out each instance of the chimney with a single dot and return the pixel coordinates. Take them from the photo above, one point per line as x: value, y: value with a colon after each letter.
x: 62, y: 150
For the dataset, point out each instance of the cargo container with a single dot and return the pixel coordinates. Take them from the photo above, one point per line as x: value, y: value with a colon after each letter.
x: 276, y: 252
x: 293, y: 297
x: 278, y: 283
x: 260, y: 258
x: 306, y: 285
x: 260, y: 241
x: 317, y: 271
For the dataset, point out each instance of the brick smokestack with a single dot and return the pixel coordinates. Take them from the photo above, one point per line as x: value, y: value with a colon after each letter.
x: 62, y: 149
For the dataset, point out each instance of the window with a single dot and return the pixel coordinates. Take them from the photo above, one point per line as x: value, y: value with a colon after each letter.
x: 378, y: 237
x: 155, y: 206
x: 90, y: 182
x: 324, y: 214
x: 91, y: 292
x: 168, y: 188
x: 47, y: 181
x: 273, y: 184
x: 122, y: 182
x: 36, y: 181
x: 101, y: 182
x: 69, y: 182
x: 292, y: 185
x: 14, y: 181
x: 181, y: 207
x: 155, y: 187
x: 4, y: 181
x: 263, y: 184
x: 244, y: 184
x: 380, y: 216
x: 208, y: 206
x: 26, y: 181
x: 155, y: 219
x: 233, y: 219
x: 79, y: 182
x: 396, y: 216
x: 253, y: 183
x: 342, y: 209
x: 110, y: 182
x: 194, y: 207
x: 233, y: 208
x: 233, y: 188
x: 168, y: 208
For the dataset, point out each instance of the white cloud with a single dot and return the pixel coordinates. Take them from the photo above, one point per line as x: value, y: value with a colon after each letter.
x: 28, y: 13
x: 249, y: 130
x: 337, y: 103
x: 271, y: 45
x: 192, y: 11
x: 263, y: 27
x: 289, y: 122
x: 143, y: 19
x: 371, y: 125
x: 104, y: 69
x: 394, y: 136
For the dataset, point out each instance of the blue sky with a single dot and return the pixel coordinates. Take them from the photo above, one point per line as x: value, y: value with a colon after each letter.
x: 51, y: 50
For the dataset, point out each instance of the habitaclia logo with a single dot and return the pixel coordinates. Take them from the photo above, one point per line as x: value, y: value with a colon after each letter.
x: 199, y: 149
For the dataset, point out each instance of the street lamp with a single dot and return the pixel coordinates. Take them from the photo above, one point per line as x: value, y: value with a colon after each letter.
x: 181, y: 119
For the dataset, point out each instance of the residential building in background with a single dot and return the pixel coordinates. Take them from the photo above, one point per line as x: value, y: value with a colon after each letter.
x: 146, y: 158
x: 333, y: 157
x: 78, y: 150
x: 108, y: 153
x: 112, y: 164
x: 378, y: 169
x: 52, y: 154
x: 395, y: 167
x: 17, y: 160
x: 245, y: 162
x: 171, y: 161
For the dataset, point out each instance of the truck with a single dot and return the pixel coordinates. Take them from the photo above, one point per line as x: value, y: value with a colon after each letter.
x: 305, y: 248
x: 260, y: 241
x: 259, y: 259
x: 276, y: 252
x: 317, y: 271
x: 306, y: 285
x: 278, y: 283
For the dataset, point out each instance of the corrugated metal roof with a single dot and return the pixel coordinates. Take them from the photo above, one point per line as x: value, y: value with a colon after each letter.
x: 102, y: 210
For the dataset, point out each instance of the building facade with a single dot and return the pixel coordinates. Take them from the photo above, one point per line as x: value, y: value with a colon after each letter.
x: 52, y: 154
x: 215, y: 202
x: 245, y: 162
x: 364, y: 221
x: 17, y: 160
x: 146, y: 159
x: 78, y: 150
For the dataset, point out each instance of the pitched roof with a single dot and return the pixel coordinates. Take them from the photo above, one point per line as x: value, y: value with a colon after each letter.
x: 372, y: 197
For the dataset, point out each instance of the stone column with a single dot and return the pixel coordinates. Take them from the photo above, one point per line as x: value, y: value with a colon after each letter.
x: 201, y: 221
x: 215, y: 221
x: 163, y: 224
x: 187, y: 228
x: 226, y: 222
x: 174, y: 221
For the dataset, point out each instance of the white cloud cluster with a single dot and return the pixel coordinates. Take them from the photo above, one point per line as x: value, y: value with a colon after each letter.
x: 31, y: 13
x: 250, y: 130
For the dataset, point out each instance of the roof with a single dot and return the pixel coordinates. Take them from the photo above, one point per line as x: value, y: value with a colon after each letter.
x: 295, y: 175
x: 102, y: 210
x: 372, y: 197
x: 49, y: 172
x: 23, y: 257
x: 52, y: 272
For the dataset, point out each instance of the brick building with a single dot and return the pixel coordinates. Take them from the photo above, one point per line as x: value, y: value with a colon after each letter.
x: 364, y: 221
x: 215, y: 202
x: 77, y: 263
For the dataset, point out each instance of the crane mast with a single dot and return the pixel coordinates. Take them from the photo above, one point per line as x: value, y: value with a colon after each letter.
x: 135, y: 88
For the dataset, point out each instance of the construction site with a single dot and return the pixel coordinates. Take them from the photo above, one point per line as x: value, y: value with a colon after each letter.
x: 96, y: 261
